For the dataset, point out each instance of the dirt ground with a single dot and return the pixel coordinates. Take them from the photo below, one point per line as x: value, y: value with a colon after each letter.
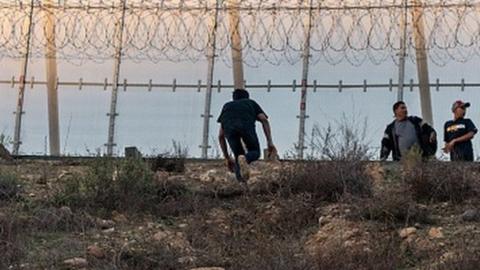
x: 205, y: 218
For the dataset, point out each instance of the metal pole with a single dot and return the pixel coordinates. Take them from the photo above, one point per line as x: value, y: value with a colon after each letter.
x: 403, y: 50
x: 208, y: 94
x: 303, y: 99
x: 236, y: 43
x: 116, y: 75
x: 422, y: 62
x: 21, y: 91
x: 52, y: 88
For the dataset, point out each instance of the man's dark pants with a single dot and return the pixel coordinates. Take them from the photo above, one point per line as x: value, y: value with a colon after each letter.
x: 461, y: 155
x: 235, y: 135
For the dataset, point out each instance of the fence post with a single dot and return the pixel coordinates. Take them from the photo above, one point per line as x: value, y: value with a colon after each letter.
x: 236, y: 44
x: 23, y: 73
x: 208, y: 94
x: 422, y: 62
x: 303, y: 98
x: 52, y: 87
x: 116, y: 75
x: 403, y: 50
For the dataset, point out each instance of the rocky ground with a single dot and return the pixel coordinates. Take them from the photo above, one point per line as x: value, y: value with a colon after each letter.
x: 350, y: 215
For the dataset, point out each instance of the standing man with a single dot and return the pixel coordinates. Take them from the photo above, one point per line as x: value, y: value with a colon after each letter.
x: 237, y: 121
x: 405, y: 132
x: 458, y: 133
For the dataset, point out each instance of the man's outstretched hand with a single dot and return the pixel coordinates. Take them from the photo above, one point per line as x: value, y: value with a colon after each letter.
x: 272, y: 152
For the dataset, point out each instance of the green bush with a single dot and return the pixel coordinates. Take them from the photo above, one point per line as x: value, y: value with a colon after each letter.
x: 122, y: 185
x: 9, y: 186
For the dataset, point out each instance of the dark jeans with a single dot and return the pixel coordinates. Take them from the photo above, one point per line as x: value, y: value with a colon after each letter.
x: 456, y: 155
x: 247, y: 134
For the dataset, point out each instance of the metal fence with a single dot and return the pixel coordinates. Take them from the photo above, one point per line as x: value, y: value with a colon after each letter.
x: 238, y: 32
x: 219, y: 86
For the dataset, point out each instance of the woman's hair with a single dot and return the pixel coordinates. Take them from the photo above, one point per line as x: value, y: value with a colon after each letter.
x: 240, y: 94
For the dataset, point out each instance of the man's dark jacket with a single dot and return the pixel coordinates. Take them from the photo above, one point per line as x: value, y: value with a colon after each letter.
x: 423, y: 130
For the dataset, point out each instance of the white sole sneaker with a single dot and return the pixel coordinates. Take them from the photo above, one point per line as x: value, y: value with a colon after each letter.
x: 244, y: 168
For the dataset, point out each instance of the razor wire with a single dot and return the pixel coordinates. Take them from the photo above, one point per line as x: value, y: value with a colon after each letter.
x: 273, y: 32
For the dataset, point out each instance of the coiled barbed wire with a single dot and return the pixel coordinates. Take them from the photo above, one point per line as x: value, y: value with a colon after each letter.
x: 353, y: 31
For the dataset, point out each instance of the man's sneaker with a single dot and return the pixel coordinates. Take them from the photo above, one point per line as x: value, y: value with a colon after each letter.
x: 244, y: 168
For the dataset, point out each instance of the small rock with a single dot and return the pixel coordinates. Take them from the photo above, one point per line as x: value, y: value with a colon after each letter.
x: 322, y: 221
x: 111, y: 230
x: 76, y: 262
x: 448, y: 256
x: 95, y: 251
x: 209, y: 176
x: 349, y: 243
x: 404, y: 233
x: 186, y: 260
x: 367, y: 250
x: 160, y: 236
x: 471, y: 215
x: 161, y: 175
x: 105, y: 224
x: 119, y: 218
x: 183, y: 226
x: 63, y: 174
x: 66, y: 211
x: 351, y: 233
x: 176, y: 178
x: 435, y: 233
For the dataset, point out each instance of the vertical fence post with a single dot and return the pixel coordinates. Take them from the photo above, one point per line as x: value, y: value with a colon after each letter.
x: 23, y: 73
x: 236, y: 44
x: 116, y: 75
x: 422, y: 62
x: 303, y: 98
x: 52, y: 87
x: 403, y: 50
x: 208, y: 94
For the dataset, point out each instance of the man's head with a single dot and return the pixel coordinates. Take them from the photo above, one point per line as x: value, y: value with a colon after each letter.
x: 240, y: 94
x: 400, y: 110
x: 459, y: 108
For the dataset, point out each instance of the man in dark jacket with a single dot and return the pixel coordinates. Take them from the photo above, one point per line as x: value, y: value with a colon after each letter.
x: 405, y: 132
x: 458, y: 133
x: 237, y: 121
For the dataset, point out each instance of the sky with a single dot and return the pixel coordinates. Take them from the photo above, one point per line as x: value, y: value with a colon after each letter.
x: 152, y: 120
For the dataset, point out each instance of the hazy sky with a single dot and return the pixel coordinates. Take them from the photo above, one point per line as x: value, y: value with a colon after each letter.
x: 151, y: 120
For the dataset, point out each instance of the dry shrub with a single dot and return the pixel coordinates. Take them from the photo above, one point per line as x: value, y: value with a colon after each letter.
x: 440, y: 181
x: 382, y: 253
x: 173, y: 161
x: 148, y: 255
x: 465, y: 258
x: 11, y: 244
x: 393, y: 205
x: 326, y: 180
x: 52, y: 219
x: 254, y: 235
x: 9, y: 187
